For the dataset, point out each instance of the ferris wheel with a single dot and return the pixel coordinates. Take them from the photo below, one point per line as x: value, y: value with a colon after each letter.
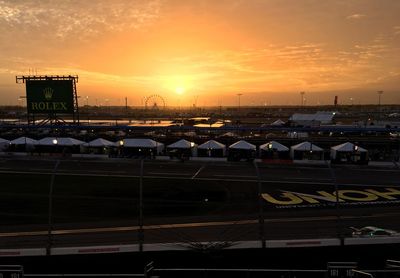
x: 154, y: 102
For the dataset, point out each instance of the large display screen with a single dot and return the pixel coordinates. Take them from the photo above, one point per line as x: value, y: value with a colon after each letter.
x: 50, y: 96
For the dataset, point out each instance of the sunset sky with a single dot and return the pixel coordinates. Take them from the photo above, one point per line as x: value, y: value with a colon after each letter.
x: 209, y: 50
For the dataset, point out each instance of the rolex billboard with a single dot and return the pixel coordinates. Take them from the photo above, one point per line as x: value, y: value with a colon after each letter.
x: 50, y: 96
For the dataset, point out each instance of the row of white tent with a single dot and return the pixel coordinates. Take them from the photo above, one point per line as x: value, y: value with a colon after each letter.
x: 181, y: 144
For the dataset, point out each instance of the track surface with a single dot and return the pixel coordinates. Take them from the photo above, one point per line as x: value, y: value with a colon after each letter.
x: 96, y: 202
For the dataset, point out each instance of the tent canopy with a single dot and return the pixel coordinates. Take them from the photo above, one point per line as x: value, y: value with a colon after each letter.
x: 4, y: 141
x: 4, y: 144
x: 306, y: 146
x: 228, y: 134
x: 278, y: 122
x: 274, y: 146
x: 212, y: 144
x: 99, y: 142
x: 348, y: 147
x: 24, y: 141
x: 320, y: 116
x: 59, y: 141
x: 182, y: 144
x: 242, y: 145
x: 141, y: 143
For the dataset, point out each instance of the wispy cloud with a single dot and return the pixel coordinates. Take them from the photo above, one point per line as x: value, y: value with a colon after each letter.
x: 396, y: 30
x: 78, y: 19
x: 356, y: 16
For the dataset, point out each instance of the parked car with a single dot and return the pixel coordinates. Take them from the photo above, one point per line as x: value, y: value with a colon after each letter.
x: 371, y: 231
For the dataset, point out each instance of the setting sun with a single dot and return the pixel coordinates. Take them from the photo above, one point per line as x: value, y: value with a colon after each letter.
x: 179, y: 90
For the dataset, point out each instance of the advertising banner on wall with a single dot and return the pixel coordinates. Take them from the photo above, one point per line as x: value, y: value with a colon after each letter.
x: 325, y: 196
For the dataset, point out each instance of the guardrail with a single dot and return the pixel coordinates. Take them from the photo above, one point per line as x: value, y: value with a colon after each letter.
x: 225, y: 272
x: 334, y: 269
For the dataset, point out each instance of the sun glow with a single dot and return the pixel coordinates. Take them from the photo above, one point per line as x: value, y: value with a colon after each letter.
x: 180, y: 90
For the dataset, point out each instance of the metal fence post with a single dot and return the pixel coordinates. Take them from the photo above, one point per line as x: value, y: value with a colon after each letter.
x: 50, y: 210
x: 260, y: 207
x: 141, y: 232
x: 337, y: 205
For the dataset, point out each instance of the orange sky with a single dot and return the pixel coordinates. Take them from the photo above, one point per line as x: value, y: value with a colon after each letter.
x: 268, y: 50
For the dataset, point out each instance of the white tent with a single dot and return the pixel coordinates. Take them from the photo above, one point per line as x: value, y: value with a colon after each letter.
x: 182, y: 144
x: 305, y: 147
x: 143, y: 143
x: 346, y: 148
x: 4, y: 141
x: 4, y: 144
x: 242, y: 145
x: 212, y: 144
x: 323, y: 117
x: 99, y: 143
x: 182, y: 147
x: 278, y: 122
x: 273, y: 145
x: 59, y: 141
x: 229, y: 134
x: 23, y: 141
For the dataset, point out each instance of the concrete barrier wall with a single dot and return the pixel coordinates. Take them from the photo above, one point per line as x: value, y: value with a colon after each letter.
x: 22, y: 252
x: 99, y: 249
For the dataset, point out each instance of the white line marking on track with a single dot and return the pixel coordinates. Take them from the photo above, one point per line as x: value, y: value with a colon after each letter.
x: 226, y: 179
x: 169, y: 173
x: 201, y: 168
x: 234, y: 176
x: 311, y: 179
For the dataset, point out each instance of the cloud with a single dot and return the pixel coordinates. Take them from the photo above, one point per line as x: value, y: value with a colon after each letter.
x: 356, y: 16
x: 78, y: 19
x: 396, y: 30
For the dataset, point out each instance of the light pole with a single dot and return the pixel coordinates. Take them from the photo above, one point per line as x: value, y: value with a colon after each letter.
x: 239, y: 95
x: 380, y: 93
x: 302, y: 98
x: 379, y: 97
x: 87, y: 108
x: 108, y: 105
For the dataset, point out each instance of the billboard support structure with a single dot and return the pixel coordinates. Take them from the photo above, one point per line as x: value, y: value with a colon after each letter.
x: 52, y: 110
